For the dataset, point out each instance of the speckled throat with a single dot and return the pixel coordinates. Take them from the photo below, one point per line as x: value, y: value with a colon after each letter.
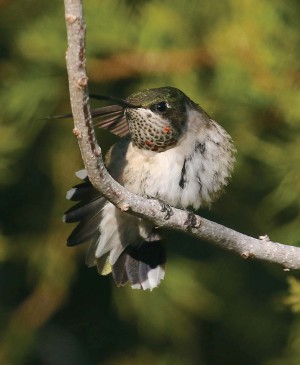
x: 150, y: 131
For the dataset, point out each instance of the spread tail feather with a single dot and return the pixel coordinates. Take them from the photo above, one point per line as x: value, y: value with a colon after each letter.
x: 142, y: 266
x: 115, y: 239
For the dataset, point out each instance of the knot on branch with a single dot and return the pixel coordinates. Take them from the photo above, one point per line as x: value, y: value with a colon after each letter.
x: 77, y: 133
x: 124, y: 207
x: 247, y: 255
x: 82, y: 81
x: 264, y: 238
x: 70, y: 18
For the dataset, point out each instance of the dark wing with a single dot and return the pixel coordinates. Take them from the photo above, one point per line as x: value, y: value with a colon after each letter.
x: 111, y: 118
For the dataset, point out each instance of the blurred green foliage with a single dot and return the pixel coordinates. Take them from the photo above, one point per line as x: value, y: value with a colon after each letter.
x: 239, y: 60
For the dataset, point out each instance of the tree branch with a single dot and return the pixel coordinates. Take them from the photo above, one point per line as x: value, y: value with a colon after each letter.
x: 247, y: 247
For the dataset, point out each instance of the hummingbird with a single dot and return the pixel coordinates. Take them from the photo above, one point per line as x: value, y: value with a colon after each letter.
x: 170, y: 149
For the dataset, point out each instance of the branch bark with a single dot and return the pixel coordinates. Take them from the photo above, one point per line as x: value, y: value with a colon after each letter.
x: 226, y: 238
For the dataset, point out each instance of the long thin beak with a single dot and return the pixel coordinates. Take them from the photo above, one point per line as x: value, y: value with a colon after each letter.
x: 119, y: 101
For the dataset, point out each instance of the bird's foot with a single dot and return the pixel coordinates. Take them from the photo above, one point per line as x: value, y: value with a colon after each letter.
x: 191, y: 221
x: 164, y: 207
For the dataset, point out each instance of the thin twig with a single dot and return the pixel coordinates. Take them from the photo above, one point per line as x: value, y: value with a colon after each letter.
x: 247, y: 247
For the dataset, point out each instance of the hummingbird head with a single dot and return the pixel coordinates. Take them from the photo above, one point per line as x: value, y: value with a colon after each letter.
x: 158, y: 118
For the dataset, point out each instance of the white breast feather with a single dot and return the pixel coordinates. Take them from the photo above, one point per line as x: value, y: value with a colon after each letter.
x: 158, y: 174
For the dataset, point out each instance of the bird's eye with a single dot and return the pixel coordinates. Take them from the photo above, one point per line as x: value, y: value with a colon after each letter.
x: 161, y: 107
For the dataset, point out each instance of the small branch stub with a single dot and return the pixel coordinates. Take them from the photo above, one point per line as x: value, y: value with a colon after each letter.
x: 82, y: 82
x: 77, y: 132
x: 124, y: 207
x: 247, y: 255
x: 71, y: 18
x: 265, y: 238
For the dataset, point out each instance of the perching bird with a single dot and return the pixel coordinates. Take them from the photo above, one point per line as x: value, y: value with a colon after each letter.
x: 171, y: 150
